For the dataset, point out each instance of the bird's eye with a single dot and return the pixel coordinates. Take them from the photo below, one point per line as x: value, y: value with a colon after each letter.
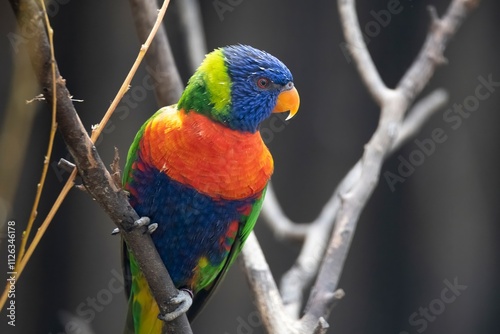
x: 263, y: 83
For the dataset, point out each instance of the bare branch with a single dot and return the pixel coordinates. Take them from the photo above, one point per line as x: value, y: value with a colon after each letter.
x: 359, y: 51
x: 301, y: 274
x: 267, y: 296
x: 160, y: 60
x: 96, y: 177
x: 317, y: 233
x: 394, y: 107
x: 431, y: 54
x: 346, y: 203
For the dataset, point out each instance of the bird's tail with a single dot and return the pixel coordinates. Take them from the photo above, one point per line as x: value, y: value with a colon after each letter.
x: 142, y: 317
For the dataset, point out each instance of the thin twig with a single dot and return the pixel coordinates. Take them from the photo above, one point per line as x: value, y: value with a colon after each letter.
x: 126, y: 83
x: 160, y: 60
x: 48, y: 154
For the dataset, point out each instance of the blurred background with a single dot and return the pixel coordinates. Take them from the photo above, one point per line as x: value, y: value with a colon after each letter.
x: 435, y: 229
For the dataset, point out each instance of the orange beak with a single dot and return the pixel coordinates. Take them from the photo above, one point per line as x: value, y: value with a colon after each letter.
x: 288, y: 100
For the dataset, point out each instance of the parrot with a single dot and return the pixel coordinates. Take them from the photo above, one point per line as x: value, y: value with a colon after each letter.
x: 199, y: 171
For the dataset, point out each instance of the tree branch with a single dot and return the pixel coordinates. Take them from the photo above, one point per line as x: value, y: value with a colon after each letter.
x: 357, y: 47
x: 267, y: 296
x: 94, y: 174
x: 342, y: 211
x: 393, y: 107
x: 431, y: 54
x: 263, y: 285
x: 317, y: 233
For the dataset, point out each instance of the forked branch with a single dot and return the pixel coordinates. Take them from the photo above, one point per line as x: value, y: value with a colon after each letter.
x: 328, y: 238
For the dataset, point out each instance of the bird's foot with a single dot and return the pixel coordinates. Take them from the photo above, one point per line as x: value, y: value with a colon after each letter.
x: 143, y: 221
x: 183, y: 300
x: 152, y: 228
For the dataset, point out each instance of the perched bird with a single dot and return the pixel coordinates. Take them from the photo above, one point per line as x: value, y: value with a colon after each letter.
x: 199, y: 169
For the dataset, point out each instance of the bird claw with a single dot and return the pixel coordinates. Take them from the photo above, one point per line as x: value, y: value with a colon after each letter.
x: 143, y: 221
x: 152, y: 228
x: 183, y: 300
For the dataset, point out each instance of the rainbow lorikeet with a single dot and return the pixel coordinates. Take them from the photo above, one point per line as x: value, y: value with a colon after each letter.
x: 199, y: 169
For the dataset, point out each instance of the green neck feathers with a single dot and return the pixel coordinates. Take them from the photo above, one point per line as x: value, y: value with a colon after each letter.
x: 209, y: 89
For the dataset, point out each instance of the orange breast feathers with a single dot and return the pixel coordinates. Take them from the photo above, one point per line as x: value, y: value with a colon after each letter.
x: 213, y: 159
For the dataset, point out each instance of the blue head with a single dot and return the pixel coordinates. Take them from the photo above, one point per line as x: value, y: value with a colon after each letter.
x: 240, y: 86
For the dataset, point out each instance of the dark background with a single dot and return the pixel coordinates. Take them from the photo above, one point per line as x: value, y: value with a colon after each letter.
x: 440, y: 224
